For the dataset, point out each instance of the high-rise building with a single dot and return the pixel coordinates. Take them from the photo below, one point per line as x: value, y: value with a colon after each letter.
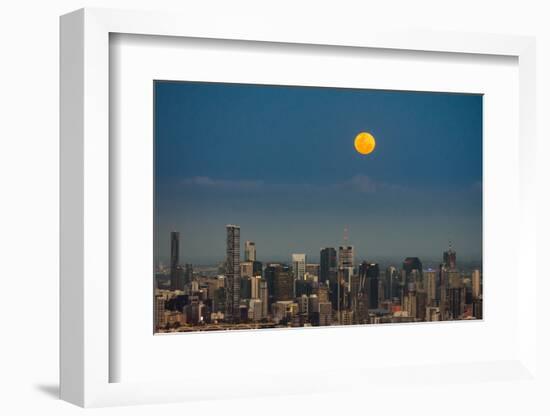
x: 410, y: 264
x: 449, y: 258
x: 255, y: 310
x: 269, y: 276
x: 257, y: 267
x: 325, y: 313
x: 313, y: 306
x: 476, y: 284
x: 246, y: 287
x: 249, y: 251
x: 345, y: 257
x: 255, y: 287
x: 323, y: 293
x: 247, y: 269
x: 442, y: 291
x: 312, y: 269
x: 264, y: 297
x: 454, y: 279
x: 218, y: 303
x: 280, y: 282
x: 409, y: 304
x: 392, y: 282
x: 328, y: 267
x: 160, y: 302
x: 174, y: 258
x: 283, y: 285
x: 178, y: 281
x: 421, y: 304
x: 299, y: 266
x: 431, y: 286
x: 477, y: 308
x: 233, y: 272
x: 303, y: 305
x: 456, y: 302
x: 369, y: 274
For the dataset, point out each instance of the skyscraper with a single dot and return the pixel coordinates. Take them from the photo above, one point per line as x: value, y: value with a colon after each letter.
x: 264, y: 297
x: 174, y: 259
x: 369, y: 273
x: 412, y: 268
x: 299, y: 266
x: 392, y: 277
x: 283, y: 284
x: 449, y: 258
x: 255, y: 287
x: 328, y: 269
x: 476, y: 284
x: 249, y: 251
x: 233, y: 272
x: 456, y: 297
x: 345, y: 257
x: 431, y: 286
x: 442, y: 292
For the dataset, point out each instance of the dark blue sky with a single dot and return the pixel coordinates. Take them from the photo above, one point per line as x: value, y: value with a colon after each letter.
x: 280, y: 162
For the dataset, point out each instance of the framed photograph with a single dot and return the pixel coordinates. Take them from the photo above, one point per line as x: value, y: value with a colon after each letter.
x: 321, y: 210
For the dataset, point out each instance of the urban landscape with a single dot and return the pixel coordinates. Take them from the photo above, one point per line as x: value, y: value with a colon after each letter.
x: 281, y: 206
x: 246, y: 293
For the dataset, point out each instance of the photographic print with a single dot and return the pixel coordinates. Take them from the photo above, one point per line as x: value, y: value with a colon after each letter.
x: 291, y: 206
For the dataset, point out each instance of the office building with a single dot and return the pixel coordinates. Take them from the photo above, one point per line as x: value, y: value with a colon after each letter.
x: 174, y: 259
x: 449, y: 258
x: 369, y: 274
x: 345, y: 257
x: 456, y: 303
x: 233, y: 272
x: 264, y: 297
x: 392, y: 283
x: 476, y: 284
x: 410, y: 264
x: 313, y: 269
x: 328, y: 266
x: 249, y: 251
x: 430, y: 277
x: 325, y: 313
x: 280, y: 282
x: 255, y: 310
x: 299, y: 266
x: 255, y: 287
x: 247, y: 269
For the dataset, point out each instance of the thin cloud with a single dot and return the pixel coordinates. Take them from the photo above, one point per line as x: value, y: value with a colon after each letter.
x: 358, y: 184
x: 223, y: 184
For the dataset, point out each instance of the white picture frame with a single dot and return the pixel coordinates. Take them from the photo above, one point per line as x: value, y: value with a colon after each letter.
x: 85, y: 353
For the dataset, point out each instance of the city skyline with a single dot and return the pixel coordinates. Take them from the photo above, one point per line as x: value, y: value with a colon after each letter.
x: 246, y: 293
x: 418, y: 190
x: 284, y: 207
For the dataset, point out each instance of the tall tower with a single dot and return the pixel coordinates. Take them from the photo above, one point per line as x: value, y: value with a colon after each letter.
x: 233, y: 272
x: 249, y: 251
x: 449, y: 258
x: 299, y: 266
x: 431, y: 286
x: 476, y: 284
x: 369, y: 275
x: 345, y: 253
x: 392, y: 282
x: 174, y: 258
x: 328, y: 268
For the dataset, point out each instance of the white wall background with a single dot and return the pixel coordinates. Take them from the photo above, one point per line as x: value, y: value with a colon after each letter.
x: 29, y: 192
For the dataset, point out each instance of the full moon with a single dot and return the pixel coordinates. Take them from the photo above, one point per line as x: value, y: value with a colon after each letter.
x: 365, y: 143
